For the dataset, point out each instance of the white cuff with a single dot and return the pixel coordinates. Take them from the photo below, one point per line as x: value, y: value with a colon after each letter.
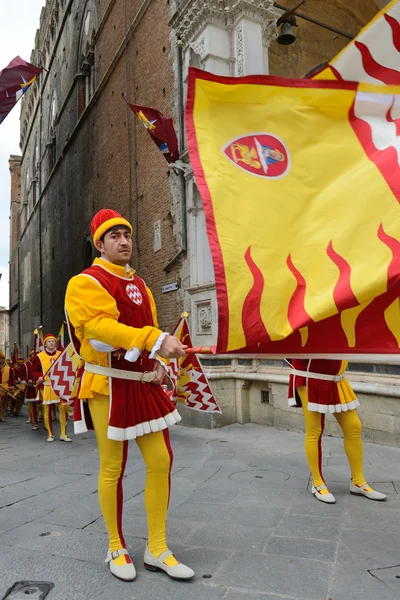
x: 132, y: 354
x: 157, y: 345
x: 101, y: 346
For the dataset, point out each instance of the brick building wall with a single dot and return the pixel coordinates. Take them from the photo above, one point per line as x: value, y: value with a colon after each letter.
x: 92, y: 154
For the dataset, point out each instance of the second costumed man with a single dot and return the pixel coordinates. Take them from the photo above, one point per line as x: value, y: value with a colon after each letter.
x: 41, y: 364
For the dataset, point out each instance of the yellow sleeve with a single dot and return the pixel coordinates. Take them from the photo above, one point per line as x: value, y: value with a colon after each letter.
x: 94, y: 314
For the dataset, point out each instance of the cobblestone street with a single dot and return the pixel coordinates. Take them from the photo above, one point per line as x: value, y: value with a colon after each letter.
x: 241, y: 514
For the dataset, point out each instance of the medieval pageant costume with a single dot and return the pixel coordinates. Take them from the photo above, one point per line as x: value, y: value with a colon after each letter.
x: 319, y: 386
x: 113, y: 325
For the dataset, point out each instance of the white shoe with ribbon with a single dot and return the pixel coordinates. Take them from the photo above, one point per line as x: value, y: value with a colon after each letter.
x: 178, y: 571
x: 126, y: 572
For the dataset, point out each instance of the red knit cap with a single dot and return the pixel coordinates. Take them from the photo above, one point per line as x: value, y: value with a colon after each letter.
x: 104, y: 220
x: 49, y: 336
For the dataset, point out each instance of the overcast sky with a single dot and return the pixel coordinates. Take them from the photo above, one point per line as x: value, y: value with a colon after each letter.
x: 18, y: 25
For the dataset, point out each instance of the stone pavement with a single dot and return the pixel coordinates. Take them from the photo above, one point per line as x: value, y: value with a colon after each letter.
x: 241, y: 515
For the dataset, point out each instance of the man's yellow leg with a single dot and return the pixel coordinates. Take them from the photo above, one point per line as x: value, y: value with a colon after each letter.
x: 63, y: 420
x: 351, y: 426
x: 47, y: 419
x: 315, y: 423
x: 113, y: 456
x: 157, y: 454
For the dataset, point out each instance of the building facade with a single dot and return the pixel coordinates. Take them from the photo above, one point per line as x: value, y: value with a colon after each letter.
x: 83, y: 150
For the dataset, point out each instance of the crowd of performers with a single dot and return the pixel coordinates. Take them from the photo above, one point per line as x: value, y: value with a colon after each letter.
x: 24, y: 381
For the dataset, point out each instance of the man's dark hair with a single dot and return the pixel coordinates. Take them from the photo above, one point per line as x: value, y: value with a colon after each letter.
x: 114, y: 228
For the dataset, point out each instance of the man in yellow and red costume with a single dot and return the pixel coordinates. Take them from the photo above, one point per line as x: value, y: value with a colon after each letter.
x: 6, y: 381
x: 113, y: 326
x: 41, y: 364
x: 319, y: 386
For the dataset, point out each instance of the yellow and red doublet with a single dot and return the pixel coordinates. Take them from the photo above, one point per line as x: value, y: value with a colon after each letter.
x: 109, y: 304
x: 333, y: 394
x: 41, y: 364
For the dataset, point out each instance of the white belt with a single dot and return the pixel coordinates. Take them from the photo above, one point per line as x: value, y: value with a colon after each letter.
x: 45, y: 382
x: 144, y: 377
x: 322, y: 376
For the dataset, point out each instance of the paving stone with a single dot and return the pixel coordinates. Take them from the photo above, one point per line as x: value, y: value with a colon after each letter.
x: 255, y: 516
x: 307, y: 504
x: 241, y: 595
x: 296, y: 577
x: 229, y: 537
x: 265, y: 498
x: 204, y: 494
x: 352, y: 581
x: 158, y: 585
x: 73, y: 579
x: 47, y: 538
x: 198, y: 511
x: 316, y: 528
x: 302, y: 548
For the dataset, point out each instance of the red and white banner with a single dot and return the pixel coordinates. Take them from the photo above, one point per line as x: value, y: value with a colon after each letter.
x: 191, y: 387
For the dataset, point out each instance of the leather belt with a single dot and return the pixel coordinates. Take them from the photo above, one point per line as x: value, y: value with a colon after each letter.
x: 322, y: 376
x: 143, y: 377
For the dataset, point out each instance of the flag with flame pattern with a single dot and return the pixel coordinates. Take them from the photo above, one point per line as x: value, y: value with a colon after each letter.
x: 300, y: 182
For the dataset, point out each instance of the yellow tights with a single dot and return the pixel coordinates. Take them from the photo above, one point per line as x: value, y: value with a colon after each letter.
x: 351, y: 427
x: 157, y: 455
x: 47, y: 418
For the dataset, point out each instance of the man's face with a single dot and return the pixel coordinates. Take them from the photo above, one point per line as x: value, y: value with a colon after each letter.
x: 2, y: 362
x: 116, y: 246
x: 50, y: 344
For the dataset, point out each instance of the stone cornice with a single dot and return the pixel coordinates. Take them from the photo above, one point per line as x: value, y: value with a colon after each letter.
x: 191, y: 17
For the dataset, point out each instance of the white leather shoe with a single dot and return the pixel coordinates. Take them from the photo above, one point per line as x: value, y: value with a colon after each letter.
x: 178, y: 571
x: 65, y: 439
x: 50, y: 438
x: 125, y: 572
x: 35, y: 427
x: 327, y: 498
x: 367, y: 491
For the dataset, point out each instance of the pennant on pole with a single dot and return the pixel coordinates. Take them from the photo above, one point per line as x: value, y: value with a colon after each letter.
x: 300, y: 181
x: 14, y: 81
x: 190, y: 385
x: 160, y: 128
x: 60, y: 338
x: 38, y: 344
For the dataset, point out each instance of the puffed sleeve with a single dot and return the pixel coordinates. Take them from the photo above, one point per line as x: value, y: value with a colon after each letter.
x: 94, y: 314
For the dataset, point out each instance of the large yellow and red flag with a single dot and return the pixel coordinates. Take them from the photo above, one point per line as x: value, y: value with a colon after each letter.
x: 300, y: 182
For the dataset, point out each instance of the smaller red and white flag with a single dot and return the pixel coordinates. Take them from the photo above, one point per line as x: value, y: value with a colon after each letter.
x: 191, y: 387
x: 62, y: 373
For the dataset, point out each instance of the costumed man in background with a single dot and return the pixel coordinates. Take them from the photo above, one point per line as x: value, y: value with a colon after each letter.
x: 320, y: 387
x: 31, y: 393
x: 113, y: 322
x: 6, y: 380
x: 41, y: 364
